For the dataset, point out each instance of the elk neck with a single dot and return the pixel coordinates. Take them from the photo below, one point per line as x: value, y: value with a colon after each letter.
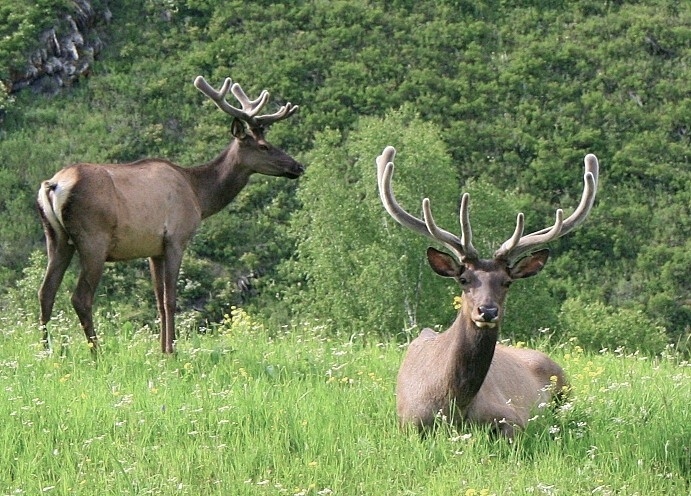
x: 219, y: 181
x: 471, y: 349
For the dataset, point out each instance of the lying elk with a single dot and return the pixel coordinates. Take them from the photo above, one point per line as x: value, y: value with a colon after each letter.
x: 462, y: 373
x: 150, y: 208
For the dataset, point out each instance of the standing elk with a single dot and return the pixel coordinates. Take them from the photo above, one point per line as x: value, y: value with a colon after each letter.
x: 463, y: 374
x: 150, y: 208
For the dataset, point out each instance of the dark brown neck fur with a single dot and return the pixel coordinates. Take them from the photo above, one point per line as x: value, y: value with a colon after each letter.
x: 472, y: 351
x: 218, y: 182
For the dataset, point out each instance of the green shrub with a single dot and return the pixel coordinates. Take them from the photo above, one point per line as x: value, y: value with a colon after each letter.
x: 599, y: 326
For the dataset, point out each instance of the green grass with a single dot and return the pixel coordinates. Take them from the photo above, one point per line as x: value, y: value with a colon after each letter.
x: 246, y: 410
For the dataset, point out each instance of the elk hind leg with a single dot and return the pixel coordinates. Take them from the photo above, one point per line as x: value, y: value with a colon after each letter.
x: 60, y: 254
x: 83, y: 296
x: 157, y: 268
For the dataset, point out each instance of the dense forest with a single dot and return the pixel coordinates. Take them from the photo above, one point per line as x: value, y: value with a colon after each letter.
x: 500, y: 99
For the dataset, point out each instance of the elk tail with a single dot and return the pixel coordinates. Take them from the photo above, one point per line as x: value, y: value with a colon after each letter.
x: 49, y: 204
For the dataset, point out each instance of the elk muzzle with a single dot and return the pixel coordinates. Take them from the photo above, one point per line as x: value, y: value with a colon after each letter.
x: 296, y: 170
x: 486, y: 316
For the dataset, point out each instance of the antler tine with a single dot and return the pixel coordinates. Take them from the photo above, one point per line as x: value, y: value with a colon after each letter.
x: 518, y: 244
x: 446, y: 238
x: 590, y: 180
x: 285, y: 111
x: 466, y: 231
x: 383, y: 161
x: 219, y: 97
x: 511, y: 243
x: 385, y: 170
x: 428, y: 227
x: 250, y: 108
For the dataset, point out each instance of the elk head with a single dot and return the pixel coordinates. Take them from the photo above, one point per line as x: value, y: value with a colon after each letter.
x: 248, y: 129
x: 518, y: 257
x: 485, y: 283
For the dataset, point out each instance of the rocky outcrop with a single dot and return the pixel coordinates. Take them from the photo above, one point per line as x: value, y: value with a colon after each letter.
x: 67, y: 50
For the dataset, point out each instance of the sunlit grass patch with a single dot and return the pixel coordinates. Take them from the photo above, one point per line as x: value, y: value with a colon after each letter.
x: 244, y: 409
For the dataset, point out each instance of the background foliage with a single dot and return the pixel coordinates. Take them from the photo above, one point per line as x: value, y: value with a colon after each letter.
x: 511, y: 95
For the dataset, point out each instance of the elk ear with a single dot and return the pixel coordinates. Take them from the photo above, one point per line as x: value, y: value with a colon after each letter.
x: 237, y: 129
x: 443, y: 264
x: 530, y: 265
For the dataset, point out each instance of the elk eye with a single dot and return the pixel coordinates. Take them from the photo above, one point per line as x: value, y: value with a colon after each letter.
x: 462, y: 281
x: 263, y: 146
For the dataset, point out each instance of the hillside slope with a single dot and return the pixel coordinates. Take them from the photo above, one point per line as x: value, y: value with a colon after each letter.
x: 519, y: 92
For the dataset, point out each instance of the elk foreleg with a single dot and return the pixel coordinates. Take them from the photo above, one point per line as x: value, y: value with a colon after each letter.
x: 171, y: 265
x: 59, y: 256
x: 83, y: 296
x: 502, y: 417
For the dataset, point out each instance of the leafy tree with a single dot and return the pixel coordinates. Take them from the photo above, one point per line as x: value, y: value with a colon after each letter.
x: 359, y: 269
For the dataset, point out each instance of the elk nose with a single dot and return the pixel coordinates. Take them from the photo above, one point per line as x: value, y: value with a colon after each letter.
x: 298, y: 169
x: 488, y: 314
x: 295, y: 170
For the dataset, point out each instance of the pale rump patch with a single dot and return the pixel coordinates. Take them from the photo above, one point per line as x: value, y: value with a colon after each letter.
x: 54, y: 193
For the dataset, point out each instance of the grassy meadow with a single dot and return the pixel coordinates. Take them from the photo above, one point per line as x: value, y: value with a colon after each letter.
x: 243, y: 409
